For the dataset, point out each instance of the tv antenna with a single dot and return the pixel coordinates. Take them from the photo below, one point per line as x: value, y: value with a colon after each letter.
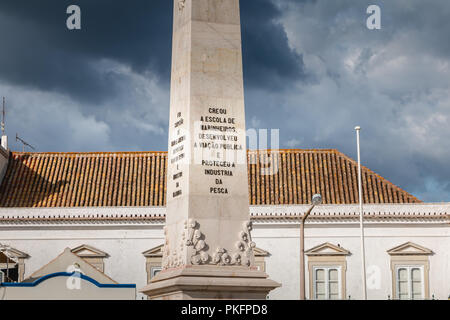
x: 24, y: 143
x: 3, y: 117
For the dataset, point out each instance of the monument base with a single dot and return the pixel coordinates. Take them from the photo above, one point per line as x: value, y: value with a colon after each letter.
x: 210, y: 283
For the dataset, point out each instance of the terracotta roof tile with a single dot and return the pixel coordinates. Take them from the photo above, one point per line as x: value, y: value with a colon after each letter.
x: 139, y: 179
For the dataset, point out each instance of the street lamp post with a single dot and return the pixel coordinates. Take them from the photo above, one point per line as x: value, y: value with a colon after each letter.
x: 361, y: 215
x: 316, y: 199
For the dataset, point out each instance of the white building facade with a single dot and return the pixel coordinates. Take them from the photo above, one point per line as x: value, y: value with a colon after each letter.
x: 407, y: 246
x: 109, y: 210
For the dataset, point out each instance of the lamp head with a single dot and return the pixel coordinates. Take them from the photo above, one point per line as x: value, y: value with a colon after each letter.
x: 317, y: 199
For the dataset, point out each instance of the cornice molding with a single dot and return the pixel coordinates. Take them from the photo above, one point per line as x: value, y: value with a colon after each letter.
x: 395, y: 213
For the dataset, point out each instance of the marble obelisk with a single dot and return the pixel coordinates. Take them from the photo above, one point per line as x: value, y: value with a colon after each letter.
x: 208, y: 252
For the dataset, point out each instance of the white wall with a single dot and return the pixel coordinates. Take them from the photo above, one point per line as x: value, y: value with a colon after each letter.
x: 126, y: 263
x: 4, y: 158
x: 125, y: 245
x: 282, y: 241
x: 56, y: 289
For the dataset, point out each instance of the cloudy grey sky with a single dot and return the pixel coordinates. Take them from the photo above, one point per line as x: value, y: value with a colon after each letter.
x: 311, y: 69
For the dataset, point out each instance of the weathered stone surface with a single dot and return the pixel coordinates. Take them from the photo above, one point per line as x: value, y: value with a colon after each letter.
x: 207, y: 187
x: 210, y: 282
x: 208, y: 222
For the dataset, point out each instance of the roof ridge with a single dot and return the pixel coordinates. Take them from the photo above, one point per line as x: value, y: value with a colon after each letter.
x: 85, y: 153
x: 163, y: 152
x: 300, y: 150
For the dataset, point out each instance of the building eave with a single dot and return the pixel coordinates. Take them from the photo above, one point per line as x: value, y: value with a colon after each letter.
x: 373, y: 213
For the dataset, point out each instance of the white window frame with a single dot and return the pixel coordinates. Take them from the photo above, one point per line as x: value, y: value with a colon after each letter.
x: 409, y: 268
x: 327, y: 269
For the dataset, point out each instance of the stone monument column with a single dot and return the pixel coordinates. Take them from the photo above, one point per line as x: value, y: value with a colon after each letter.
x: 208, y: 251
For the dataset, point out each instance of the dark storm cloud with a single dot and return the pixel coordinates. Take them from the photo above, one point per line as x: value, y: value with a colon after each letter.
x: 269, y: 62
x: 106, y: 87
x: 39, y: 51
x: 394, y: 82
x: 311, y: 69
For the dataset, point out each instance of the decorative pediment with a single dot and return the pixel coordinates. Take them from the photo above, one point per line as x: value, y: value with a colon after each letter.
x: 14, y: 253
x: 69, y: 260
x: 154, y: 252
x: 4, y: 259
x: 409, y: 249
x: 327, y: 249
x: 85, y: 251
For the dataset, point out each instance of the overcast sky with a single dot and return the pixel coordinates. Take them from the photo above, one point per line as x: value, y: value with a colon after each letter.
x: 311, y: 69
